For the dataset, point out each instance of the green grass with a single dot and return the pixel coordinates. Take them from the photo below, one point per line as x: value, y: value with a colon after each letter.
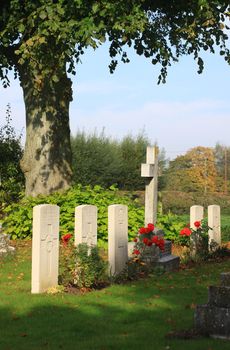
x: 137, y: 315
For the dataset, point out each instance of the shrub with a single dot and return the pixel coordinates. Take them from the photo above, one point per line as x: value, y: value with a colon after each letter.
x: 82, y: 267
x: 18, y: 219
x: 11, y: 176
x: 100, y: 160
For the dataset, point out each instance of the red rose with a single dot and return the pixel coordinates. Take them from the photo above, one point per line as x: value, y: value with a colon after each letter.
x: 150, y: 243
x: 185, y: 232
x: 197, y: 224
x: 161, y: 244
x: 150, y: 227
x: 66, y: 238
x: 135, y: 240
x: 145, y: 241
x: 155, y: 239
x: 136, y: 252
x: 142, y: 230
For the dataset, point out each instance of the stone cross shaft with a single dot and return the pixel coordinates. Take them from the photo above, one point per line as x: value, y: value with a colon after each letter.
x: 149, y: 171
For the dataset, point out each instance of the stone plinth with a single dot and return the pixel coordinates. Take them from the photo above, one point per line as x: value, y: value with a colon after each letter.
x: 213, y: 318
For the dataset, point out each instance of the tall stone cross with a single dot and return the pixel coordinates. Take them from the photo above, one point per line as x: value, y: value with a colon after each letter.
x: 149, y: 171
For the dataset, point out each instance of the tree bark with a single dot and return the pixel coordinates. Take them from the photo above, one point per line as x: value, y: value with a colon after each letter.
x: 47, y: 158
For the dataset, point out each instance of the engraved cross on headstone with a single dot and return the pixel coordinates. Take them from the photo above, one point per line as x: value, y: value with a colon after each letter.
x: 149, y: 171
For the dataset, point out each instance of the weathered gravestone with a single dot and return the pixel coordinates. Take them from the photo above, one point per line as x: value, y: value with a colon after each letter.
x: 45, y: 247
x: 5, y: 247
x: 213, y: 318
x: 117, y: 238
x: 214, y: 223
x: 86, y: 225
x: 149, y: 171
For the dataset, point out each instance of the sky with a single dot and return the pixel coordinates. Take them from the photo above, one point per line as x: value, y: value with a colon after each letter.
x: 190, y: 110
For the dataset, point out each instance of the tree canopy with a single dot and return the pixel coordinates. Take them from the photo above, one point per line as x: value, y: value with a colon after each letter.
x: 193, y: 172
x: 42, y: 40
x: 56, y: 32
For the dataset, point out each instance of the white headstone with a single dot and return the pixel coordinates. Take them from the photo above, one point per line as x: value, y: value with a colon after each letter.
x: 214, y: 223
x: 86, y: 225
x: 196, y: 214
x: 45, y: 247
x: 117, y: 237
x: 149, y: 170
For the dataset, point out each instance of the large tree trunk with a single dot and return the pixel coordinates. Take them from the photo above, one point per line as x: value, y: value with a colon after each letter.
x: 47, y: 158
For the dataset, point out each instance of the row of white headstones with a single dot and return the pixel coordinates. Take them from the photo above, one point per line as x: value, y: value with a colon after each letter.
x: 45, y: 246
x: 45, y: 240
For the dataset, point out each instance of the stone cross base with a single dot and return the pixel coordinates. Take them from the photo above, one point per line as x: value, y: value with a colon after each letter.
x: 213, y: 318
x: 168, y: 261
x: 154, y: 257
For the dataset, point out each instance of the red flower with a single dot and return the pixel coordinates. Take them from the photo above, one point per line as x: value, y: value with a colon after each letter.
x: 135, y: 240
x: 145, y: 241
x: 142, y: 230
x: 136, y: 252
x: 150, y: 243
x: 185, y: 232
x: 66, y: 238
x: 150, y: 227
x: 197, y: 224
x: 161, y: 244
x: 155, y: 239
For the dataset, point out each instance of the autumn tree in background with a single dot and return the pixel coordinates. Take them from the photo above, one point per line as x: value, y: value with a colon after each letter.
x: 222, y: 159
x: 193, y: 172
x: 43, y: 40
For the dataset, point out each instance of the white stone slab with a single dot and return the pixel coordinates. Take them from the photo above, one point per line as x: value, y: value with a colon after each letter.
x: 196, y: 214
x: 45, y: 247
x: 215, y: 223
x: 150, y: 172
x: 86, y: 225
x: 147, y: 170
x: 117, y: 238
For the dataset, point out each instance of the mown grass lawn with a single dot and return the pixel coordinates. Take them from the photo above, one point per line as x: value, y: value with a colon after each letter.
x: 136, y: 315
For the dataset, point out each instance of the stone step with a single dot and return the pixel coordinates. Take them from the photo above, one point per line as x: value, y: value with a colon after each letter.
x: 225, y: 279
x: 169, y: 262
x: 219, y: 296
x: 213, y: 321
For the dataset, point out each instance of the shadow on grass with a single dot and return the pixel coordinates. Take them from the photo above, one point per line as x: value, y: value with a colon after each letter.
x: 116, y: 318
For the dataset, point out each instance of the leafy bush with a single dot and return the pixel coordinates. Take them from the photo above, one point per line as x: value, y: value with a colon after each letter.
x: 11, y: 176
x: 171, y: 224
x: 82, y: 267
x: 18, y: 219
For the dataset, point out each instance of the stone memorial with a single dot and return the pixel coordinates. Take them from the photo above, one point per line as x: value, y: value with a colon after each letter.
x: 86, y: 225
x: 196, y: 214
x: 5, y: 247
x: 45, y: 247
x: 117, y: 238
x: 149, y: 171
x: 214, y: 223
x: 213, y: 318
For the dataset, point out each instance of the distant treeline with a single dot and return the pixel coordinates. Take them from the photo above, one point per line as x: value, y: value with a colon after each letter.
x: 100, y: 160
